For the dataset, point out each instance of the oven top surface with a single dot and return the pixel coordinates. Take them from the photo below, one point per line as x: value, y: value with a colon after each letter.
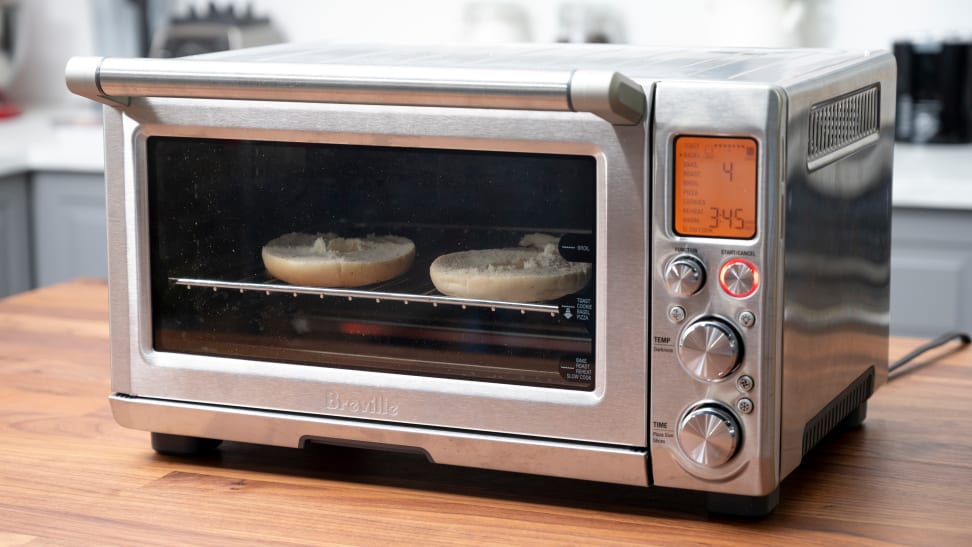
x: 739, y: 64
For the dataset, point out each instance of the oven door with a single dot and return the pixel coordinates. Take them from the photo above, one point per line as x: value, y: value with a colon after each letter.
x: 197, y: 187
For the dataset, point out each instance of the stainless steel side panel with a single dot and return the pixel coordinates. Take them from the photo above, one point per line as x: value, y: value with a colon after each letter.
x: 577, y: 461
x: 614, y: 413
x: 838, y: 248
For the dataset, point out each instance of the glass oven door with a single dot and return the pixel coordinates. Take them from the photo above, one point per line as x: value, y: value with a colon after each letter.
x: 360, y: 235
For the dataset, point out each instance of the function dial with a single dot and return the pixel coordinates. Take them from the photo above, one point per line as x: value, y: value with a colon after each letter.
x: 709, y: 349
x: 684, y: 275
x: 709, y: 435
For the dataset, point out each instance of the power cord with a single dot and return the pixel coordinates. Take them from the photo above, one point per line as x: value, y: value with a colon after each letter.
x: 940, y: 341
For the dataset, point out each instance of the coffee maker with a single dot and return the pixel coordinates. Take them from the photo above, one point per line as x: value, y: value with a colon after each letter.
x: 934, y: 91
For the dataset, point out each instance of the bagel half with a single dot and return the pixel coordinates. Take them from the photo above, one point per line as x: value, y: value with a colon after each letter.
x: 326, y: 260
x: 534, y: 272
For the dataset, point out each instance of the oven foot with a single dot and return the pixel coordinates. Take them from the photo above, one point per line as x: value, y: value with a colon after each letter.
x: 856, y: 417
x: 182, y: 445
x: 742, y: 506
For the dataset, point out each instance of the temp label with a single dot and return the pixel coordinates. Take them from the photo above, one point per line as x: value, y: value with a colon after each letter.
x: 662, y: 344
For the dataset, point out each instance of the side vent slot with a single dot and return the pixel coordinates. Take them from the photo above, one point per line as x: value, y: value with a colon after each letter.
x: 840, y: 408
x: 843, y: 125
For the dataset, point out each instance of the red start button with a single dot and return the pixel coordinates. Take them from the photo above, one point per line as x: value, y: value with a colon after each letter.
x: 739, y: 278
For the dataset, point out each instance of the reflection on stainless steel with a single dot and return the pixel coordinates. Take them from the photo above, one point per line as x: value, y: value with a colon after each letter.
x: 819, y: 318
x: 862, y: 268
x: 837, y: 263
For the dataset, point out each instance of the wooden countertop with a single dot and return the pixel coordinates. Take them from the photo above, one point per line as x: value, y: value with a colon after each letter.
x: 69, y: 475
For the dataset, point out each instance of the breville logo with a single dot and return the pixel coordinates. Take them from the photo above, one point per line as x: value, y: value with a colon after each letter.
x: 375, y: 406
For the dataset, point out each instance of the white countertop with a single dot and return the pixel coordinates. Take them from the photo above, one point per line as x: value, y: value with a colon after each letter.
x: 936, y: 176
x: 52, y: 140
x: 925, y: 176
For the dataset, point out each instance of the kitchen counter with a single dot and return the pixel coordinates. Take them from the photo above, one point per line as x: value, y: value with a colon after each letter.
x: 933, y: 176
x: 52, y: 140
x: 69, y: 475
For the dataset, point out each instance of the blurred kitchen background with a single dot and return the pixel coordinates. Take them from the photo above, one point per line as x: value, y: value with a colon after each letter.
x: 52, y: 225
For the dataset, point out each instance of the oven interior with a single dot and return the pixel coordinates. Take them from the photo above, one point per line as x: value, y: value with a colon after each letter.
x: 214, y: 203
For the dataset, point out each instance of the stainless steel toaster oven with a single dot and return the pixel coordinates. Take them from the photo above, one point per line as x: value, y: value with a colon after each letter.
x: 651, y: 267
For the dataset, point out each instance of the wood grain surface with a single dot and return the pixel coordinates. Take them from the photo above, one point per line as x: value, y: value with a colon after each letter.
x: 70, y: 476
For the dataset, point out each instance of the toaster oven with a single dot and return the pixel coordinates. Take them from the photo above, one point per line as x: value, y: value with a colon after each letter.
x: 726, y: 214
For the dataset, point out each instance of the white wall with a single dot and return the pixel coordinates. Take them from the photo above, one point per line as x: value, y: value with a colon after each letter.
x: 61, y: 28
x: 876, y: 23
x: 697, y: 22
x: 54, y: 30
x: 817, y: 23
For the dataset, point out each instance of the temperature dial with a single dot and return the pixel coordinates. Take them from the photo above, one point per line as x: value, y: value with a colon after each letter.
x: 709, y: 349
x: 684, y: 276
x: 709, y: 435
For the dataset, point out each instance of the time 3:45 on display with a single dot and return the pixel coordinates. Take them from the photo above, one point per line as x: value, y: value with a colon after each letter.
x: 733, y: 218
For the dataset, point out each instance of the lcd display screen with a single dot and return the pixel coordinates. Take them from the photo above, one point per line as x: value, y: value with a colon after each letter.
x: 715, y: 187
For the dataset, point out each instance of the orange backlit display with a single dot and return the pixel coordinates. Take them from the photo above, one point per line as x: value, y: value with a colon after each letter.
x: 715, y: 187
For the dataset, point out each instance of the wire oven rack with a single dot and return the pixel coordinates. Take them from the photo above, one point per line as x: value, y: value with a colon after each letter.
x: 403, y: 290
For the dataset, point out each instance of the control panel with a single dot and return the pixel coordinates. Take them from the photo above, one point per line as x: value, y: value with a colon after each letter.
x: 708, y: 296
x: 705, y: 342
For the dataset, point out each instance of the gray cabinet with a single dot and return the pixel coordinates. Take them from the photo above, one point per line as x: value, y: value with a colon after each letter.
x: 931, y: 271
x: 70, y: 237
x: 14, y: 236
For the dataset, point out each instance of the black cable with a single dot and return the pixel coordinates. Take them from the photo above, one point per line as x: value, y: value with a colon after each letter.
x: 940, y: 341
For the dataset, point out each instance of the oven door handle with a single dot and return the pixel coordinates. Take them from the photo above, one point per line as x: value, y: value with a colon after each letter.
x: 114, y: 81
